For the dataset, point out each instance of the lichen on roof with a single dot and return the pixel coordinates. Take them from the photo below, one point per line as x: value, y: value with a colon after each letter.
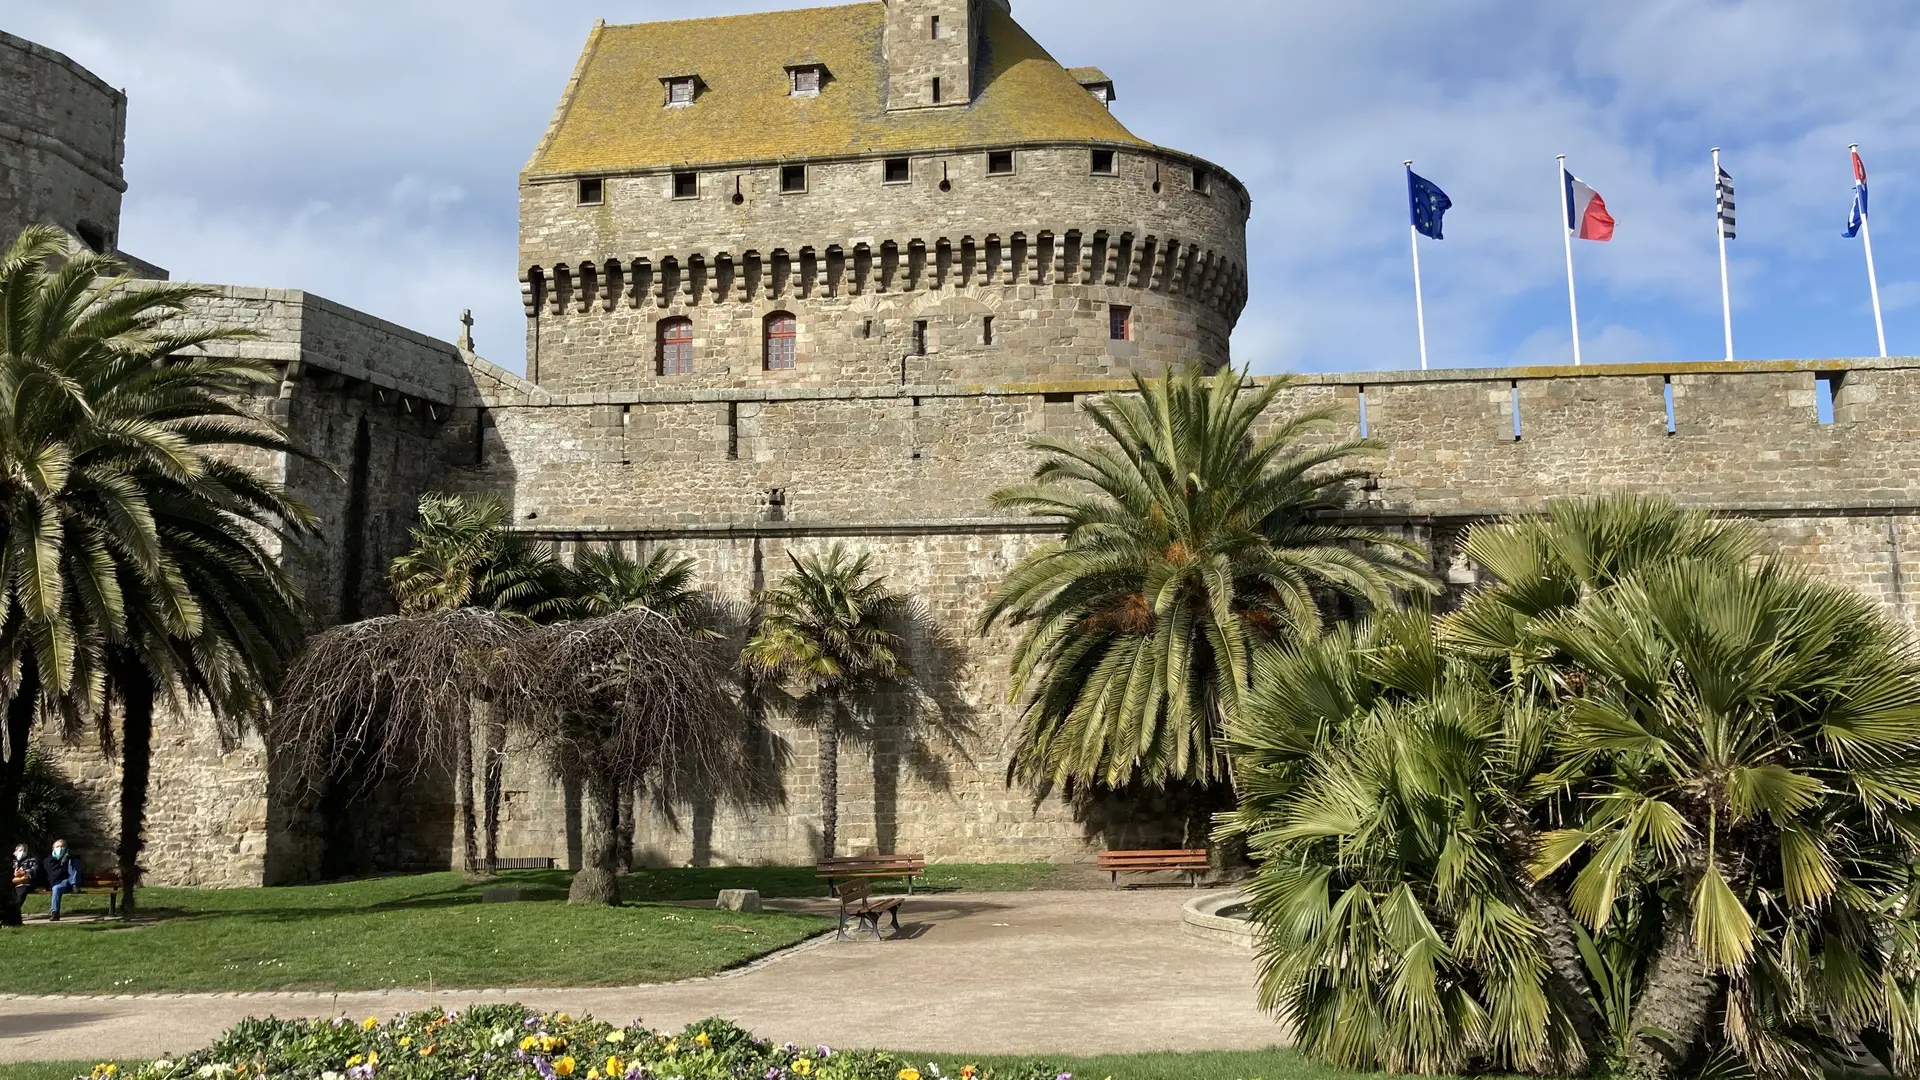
x: 613, y: 119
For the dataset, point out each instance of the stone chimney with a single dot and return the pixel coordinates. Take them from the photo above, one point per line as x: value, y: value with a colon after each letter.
x: 933, y: 50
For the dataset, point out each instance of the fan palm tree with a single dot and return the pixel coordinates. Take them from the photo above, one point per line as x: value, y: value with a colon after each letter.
x: 825, y: 635
x: 1643, y: 799
x: 1195, y: 533
x: 463, y: 556
x: 110, y: 461
x: 606, y: 580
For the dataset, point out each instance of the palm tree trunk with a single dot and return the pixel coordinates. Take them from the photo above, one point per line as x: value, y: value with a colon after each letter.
x: 597, y: 881
x: 463, y: 779
x: 496, y: 762
x: 1566, y: 975
x: 1677, y: 1001
x: 136, y: 771
x: 623, y: 836
x: 830, y: 783
x: 13, y: 774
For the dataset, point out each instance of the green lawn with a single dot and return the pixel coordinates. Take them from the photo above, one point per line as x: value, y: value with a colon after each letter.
x: 426, y: 930
x: 429, y: 930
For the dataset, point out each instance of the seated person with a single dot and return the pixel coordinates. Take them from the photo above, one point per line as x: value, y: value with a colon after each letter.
x: 63, y: 875
x: 26, y: 874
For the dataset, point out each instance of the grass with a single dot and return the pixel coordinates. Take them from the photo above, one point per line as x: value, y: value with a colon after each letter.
x: 1276, y: 1064
x: 429, y: 930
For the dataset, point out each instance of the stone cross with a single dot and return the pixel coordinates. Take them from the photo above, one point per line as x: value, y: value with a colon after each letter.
x: 466, y: 329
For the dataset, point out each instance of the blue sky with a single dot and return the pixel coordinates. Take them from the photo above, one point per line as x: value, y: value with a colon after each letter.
x: 368, y: 152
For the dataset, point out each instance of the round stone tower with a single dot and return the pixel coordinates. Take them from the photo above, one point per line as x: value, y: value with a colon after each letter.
x: 62, y: 138
x: 911, y: 191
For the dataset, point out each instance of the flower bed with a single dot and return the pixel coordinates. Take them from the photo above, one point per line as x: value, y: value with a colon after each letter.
x: 509, y: 1042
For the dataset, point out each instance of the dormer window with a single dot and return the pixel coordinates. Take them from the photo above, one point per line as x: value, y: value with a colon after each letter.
x: 681, y: 90
x: 806, y: 77
x: 1095, y: 82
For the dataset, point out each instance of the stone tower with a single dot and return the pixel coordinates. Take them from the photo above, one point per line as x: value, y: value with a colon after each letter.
x: 932, y: 49
x: 778, y: 200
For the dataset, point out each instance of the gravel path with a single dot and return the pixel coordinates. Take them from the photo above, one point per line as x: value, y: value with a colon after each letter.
x: 1041, y: 972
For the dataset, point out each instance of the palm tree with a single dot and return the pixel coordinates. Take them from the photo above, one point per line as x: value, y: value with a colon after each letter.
x: 110, y: 441
x: 1643, y: 799
x: 463, y: 556
x: 606, y: 580
x: 1196, y: 532
x: 825, y: 634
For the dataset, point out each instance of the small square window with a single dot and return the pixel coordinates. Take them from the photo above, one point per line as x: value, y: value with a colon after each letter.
x: 679, y: 92
x: 593, y: 191
x: 1105, y: 163
x: 1202, y: 180
x: 806, y: 81
x: 1000, y: 163
x: 899, y: 170
x: 793, y: 179
x: 1120, y: 323
x: 686, y: 185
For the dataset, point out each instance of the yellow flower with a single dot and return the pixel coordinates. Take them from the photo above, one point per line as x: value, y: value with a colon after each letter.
x: 562, y: 1018
x: 373, y: 1058
x: 354, y: 1060
x: 593, y: 1074
x: 613, y: 1065
x: 803, y: 1066
x: 703, y: 1039
x: 909, y: 1074
x: 529, y: 1043
x: 673, y: 1046
x: 406, y: 1040
x: 616, y: 1037
x: 563, y: 1066
x: 427, y: 1050
x: 369, y: 1023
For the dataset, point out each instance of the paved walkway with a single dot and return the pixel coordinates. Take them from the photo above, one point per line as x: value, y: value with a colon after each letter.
x: 1044, y: 972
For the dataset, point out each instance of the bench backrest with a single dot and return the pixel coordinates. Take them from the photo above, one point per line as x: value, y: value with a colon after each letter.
x: 1175, y: 858
x: 875, y: 862
x: 853, y: 892
x: 100, y: 879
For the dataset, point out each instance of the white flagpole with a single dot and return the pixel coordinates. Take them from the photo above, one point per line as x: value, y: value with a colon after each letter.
x: 1419, y: 304
x: 1720, y: 230
x: 1873, y: 283
x: 1566, y: 234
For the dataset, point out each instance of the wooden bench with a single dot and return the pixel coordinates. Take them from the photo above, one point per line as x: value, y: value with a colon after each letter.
x: 858, y: 903
x: 523, y: 864
x: 104, y: 879
x: 1191, y: 860
x: 857, y: 867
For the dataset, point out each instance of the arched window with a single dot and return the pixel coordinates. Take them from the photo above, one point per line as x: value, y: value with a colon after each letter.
x: 781, y: 329
x: 676, y: 346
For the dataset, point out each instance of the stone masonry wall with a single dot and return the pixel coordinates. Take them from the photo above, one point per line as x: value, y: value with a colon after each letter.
x: 858, y: 260
x: 62, y: 137
x: 368, y: 400
x: 738, y: 477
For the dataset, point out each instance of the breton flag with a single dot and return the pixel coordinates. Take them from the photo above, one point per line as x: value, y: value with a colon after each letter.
x: 1723, y: 195
x: 1859, y: 215
x: 1587, y: 216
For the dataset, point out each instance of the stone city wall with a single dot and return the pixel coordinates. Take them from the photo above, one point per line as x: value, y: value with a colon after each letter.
x: 368, y: 400
x: 738, y: 478
x: 858, y: 261
x: 62, y: 138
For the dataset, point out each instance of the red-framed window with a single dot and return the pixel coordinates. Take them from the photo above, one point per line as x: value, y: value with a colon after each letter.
x: 676, y: 346
x: 782, y: 332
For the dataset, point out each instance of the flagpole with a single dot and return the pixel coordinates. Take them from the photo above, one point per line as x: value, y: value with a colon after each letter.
x: 1873, y: 283
x: 1720, y: 230
x: 1566, y: 234
x: 1419, y: 304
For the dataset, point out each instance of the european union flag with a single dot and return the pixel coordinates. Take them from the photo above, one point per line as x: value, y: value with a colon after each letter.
x: 1426, y: 202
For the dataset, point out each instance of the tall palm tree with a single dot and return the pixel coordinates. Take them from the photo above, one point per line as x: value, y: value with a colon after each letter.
x: 110, y: 442
x: 825, y: 635
x: 463, y: 556
x: 1196, y: 531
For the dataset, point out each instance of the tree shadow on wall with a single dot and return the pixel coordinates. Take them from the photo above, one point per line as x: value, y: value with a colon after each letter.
x: 918, y: 725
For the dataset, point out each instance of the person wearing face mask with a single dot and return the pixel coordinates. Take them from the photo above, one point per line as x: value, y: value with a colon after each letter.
x: 63, y: 876
x: 26, y: 871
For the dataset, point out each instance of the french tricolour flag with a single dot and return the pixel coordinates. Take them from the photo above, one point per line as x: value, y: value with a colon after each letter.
x: 1587, y: 216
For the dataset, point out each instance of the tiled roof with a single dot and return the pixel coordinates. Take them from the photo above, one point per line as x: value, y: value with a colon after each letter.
x: 612, y: 118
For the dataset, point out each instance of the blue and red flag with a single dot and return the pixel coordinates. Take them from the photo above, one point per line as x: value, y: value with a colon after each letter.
x: 1859, y: 215
x: 1587, y: 216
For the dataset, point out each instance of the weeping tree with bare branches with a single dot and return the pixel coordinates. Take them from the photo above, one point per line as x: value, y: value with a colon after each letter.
x: 617, y: 703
